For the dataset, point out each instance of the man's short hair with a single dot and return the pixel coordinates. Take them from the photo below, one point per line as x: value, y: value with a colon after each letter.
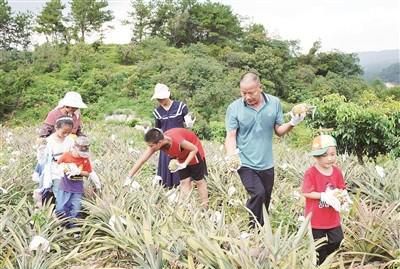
x: 154, y: 135
x: 250, y: 76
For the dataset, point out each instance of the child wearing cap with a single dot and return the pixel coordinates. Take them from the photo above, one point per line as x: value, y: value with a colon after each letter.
x: 76, y: 165
x: 321, y: 182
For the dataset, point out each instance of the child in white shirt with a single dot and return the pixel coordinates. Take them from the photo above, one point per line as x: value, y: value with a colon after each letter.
x: 57, y: 143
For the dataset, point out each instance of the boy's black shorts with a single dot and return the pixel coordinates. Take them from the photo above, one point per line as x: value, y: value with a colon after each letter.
x: 195, y: 171
x: 335, y: 235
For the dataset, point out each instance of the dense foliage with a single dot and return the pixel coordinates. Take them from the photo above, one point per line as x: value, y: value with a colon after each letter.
x: 368, y: 128
x: 182, y: 44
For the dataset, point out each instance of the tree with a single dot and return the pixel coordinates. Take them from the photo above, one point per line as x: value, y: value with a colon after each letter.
x: 15, y: 30
x: 215, y: 23
x: 273, y: 63
x: 22, y: 30
x: 88, y: 15
x: 163, y: 12
x: 349, y: 87
x: 141, y: 19
x: 185, y: 22
x: 50, y: 20
x: 255, y: 36
x: 343, y: 64
x: 311, y: 57
x: 181, y: 26
x: 5, y: 22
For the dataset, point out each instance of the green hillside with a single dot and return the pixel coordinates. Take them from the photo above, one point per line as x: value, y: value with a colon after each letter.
x: 200, y: 58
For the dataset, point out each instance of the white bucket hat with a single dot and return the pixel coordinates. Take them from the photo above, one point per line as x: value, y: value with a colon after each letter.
x: 72, y: 99
x: 161, y: 91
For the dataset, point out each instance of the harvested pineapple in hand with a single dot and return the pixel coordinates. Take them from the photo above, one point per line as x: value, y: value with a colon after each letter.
x: 173, y: 165
x: 233, y: 162
x: 64, y: 167
x: 344, y: 199
x: 303, y: 109
x: 71, y: 169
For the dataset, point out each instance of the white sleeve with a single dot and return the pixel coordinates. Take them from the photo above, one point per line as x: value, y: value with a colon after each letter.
x: 47, y: 178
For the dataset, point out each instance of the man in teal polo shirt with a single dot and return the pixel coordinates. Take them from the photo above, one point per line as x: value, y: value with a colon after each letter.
x: 250, y: 124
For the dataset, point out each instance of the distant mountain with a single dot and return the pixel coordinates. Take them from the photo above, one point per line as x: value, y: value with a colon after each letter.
x: 373, y: 62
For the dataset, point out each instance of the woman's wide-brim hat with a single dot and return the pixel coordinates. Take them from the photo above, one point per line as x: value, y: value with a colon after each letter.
x: 73, y: 99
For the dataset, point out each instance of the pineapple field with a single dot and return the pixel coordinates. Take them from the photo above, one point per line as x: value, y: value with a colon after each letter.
x: 151, y: 227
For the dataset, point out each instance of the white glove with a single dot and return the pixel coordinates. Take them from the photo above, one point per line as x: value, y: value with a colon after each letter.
x: 329, y: 198
x: 189, y: 120
x: 127, y: 181
x: 94, y: 178
x: 135, y: 186
x: 73, y: 170
x: 156, y: 180
x: 296, y: 119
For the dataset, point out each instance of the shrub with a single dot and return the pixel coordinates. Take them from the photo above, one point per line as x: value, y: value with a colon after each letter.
x: 365, y: 130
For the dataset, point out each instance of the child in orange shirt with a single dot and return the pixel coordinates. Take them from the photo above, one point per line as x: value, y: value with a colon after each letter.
x: 76, y: 166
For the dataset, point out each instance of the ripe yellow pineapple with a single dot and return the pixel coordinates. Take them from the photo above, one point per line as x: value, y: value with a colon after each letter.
x: 303, y: 108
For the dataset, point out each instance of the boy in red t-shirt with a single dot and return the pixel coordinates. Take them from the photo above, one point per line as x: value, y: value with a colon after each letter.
x: 76, y: 166
x: 186, y: 150
x: 321, y: 182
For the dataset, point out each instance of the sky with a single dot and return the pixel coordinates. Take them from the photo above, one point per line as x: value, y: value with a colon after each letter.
x: 345, y: 25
